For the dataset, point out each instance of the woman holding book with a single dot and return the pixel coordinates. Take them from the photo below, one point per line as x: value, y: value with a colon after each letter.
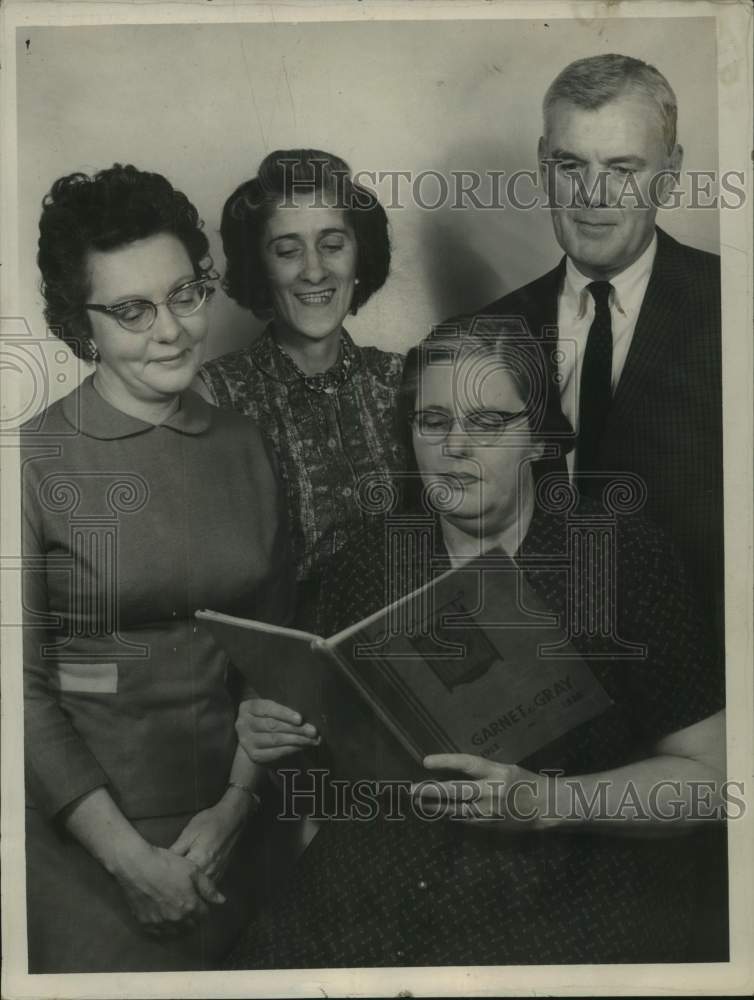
x: 305, y: 247
x: 537, y: 869
x: 136, y: 501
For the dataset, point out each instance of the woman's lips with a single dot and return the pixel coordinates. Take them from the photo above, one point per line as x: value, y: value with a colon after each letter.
x: 174, y: 359
x: 460, y: 477
x: 323, y: 298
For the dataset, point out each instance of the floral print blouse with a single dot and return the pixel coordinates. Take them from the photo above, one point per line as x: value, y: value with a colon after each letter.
x: 330, y: 431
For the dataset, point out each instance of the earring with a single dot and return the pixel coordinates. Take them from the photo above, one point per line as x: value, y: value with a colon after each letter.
x: 355, y: 281
x: 93, y: 352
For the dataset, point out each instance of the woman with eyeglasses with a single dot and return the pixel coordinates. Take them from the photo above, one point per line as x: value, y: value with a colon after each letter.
x: 306, y: 246
x: 141, y: 503
x: 585, y: 852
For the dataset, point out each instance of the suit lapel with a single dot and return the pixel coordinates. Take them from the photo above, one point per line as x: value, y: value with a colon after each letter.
x: 544, y: 304
x: 536, y: 303
x: 655, y: 327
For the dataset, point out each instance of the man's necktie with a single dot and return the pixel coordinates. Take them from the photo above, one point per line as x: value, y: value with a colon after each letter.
x: 595, y: 391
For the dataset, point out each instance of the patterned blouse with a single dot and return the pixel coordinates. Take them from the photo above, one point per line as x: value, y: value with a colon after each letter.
x: 329, y: 431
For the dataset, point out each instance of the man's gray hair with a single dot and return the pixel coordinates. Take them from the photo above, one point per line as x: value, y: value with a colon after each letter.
x: 591, y: 82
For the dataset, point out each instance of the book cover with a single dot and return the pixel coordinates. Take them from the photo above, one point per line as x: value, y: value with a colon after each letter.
x: 470, y: 663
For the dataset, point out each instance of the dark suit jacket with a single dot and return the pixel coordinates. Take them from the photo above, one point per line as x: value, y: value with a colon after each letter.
x: 666, y: 420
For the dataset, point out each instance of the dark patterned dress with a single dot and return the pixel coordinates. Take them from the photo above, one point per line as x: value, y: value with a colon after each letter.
x: 415, y: 893
x: 329, y: 431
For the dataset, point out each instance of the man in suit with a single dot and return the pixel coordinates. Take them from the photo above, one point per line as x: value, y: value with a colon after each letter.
x: 636, y: 314
x: 634, y: 317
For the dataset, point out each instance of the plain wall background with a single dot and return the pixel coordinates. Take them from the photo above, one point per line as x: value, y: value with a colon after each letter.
x: 204, y: 103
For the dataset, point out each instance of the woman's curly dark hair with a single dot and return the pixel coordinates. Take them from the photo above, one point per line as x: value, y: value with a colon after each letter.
x: 300, y: 176
x: 112, y: 208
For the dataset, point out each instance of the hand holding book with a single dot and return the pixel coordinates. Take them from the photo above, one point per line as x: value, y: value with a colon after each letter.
x: 268, y: 731
x: 503, y: 796
x: 656, y: 796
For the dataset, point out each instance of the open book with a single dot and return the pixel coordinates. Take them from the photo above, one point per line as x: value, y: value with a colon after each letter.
x: 469, y: 663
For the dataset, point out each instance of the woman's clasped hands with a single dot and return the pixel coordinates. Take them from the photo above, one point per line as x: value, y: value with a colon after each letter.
x: 170, y: 890
x: 167, y: 893
x: 209, y: 837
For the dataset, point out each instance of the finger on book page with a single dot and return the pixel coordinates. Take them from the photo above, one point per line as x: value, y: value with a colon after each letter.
x: 441, y: 791
x: 465, y: 763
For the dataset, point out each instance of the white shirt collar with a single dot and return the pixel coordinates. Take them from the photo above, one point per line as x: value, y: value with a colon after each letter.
x: 628, y: 286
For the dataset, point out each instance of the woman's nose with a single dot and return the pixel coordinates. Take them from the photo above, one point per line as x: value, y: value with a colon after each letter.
x: 166, y: 326
x: 457, y: 442
x: 313, y: 269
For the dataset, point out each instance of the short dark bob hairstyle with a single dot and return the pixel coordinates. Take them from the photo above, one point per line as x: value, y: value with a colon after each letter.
x: 300, y: 177
x: 108, y: 210
x: 494, y: 342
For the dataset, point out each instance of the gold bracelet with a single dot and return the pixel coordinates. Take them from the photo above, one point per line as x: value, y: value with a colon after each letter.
x: 255, y: 799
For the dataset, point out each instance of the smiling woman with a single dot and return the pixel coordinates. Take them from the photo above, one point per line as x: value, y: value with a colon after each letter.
x: 135, y: 513
x: 311, y: 256
x: 305, y: 246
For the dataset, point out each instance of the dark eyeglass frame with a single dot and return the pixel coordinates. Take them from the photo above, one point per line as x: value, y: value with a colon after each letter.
x: 205, y: 284
x: 466, y: 423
